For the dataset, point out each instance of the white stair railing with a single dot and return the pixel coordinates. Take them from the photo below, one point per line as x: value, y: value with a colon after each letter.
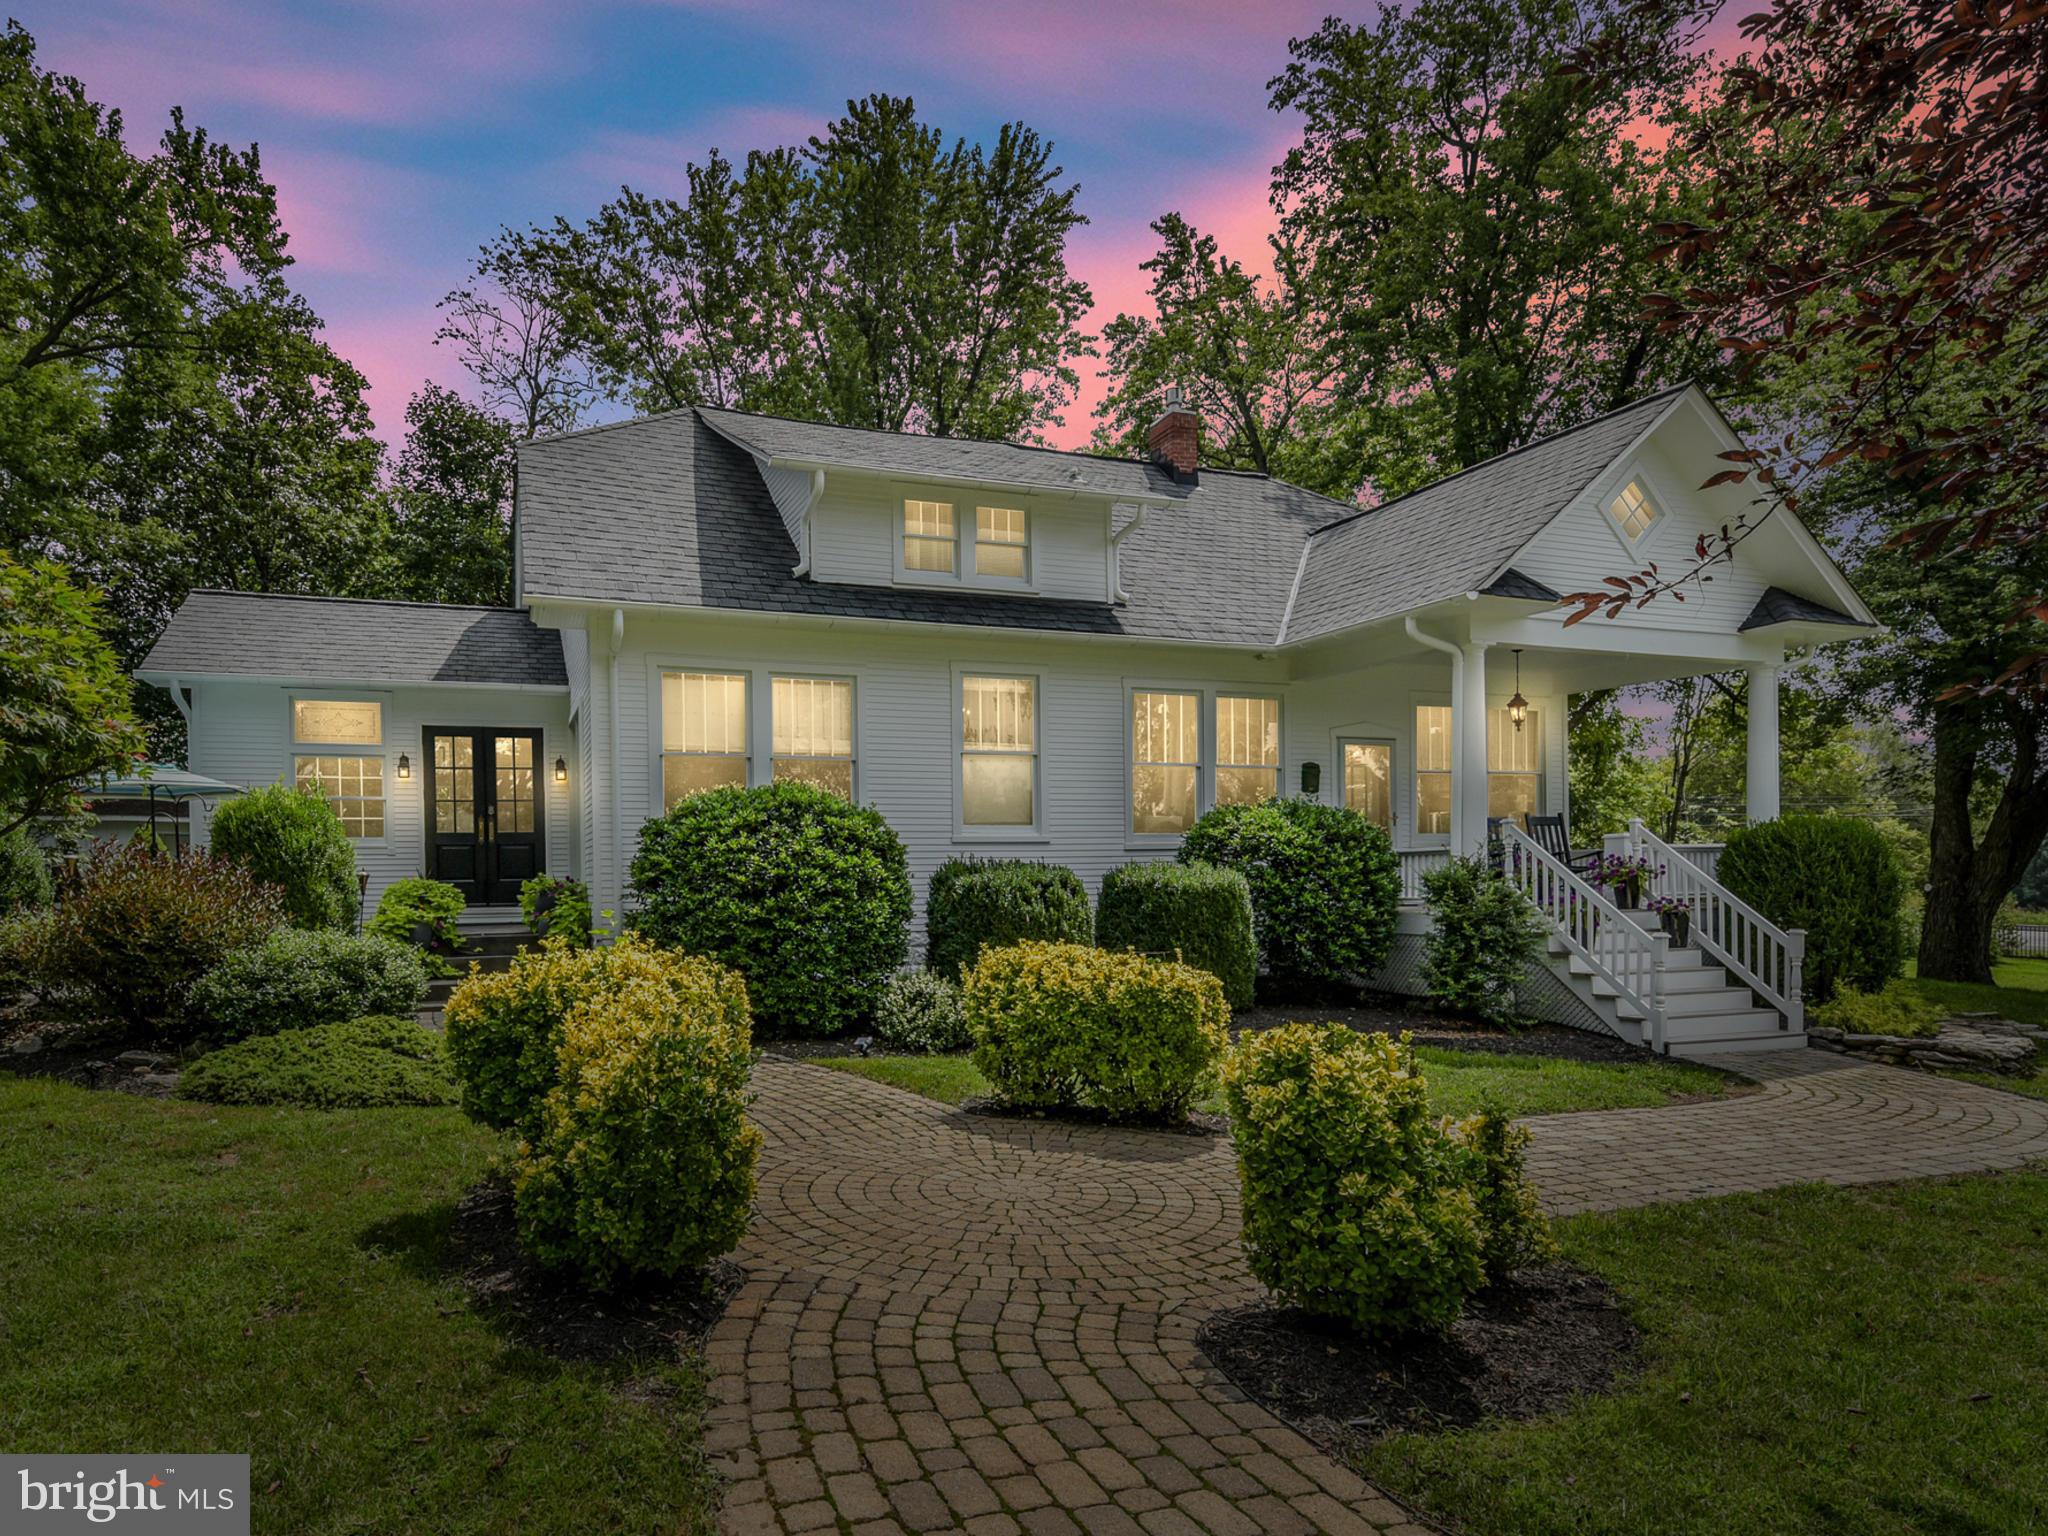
x: 1767, y: 959
x: 1620, y: 952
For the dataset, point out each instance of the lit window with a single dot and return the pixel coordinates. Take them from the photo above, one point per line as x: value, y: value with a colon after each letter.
x: 353, y: 783
x: 1166, y: 761
x: 1369, y: 782
x: 931, y: 540
x: 1247, y: 750
x: 1433, y: 769
x: 814, y: 732
x: 1001, y: 541
x: 998, y: 751
x: 1513, y: 766
x: 703, y: 733
x: 1633, y: 509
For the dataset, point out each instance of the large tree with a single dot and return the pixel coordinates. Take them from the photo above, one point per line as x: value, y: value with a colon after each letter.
x: 878, y: 277
x: 514, y: 340
x: 1478, y: 220
x: 451, y: 494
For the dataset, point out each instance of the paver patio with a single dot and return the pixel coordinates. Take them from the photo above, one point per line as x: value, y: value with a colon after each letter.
x: 959, y: 1322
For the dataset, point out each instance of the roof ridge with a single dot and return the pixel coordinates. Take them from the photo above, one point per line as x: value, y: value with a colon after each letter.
x: 608, y: 426
x: 376, y: 602
x: 933, y: 437
x: 1506, y: 453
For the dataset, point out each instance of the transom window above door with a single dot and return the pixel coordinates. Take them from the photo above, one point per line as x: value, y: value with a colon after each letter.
x: 703, y: 733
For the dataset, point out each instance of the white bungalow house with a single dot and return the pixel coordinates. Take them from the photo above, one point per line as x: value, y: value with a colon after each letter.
x: 1016, y: 651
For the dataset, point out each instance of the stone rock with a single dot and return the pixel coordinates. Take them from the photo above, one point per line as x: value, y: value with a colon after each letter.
x: 26, y: 1045
x: 140, y: 1059
x: 154, y: 1085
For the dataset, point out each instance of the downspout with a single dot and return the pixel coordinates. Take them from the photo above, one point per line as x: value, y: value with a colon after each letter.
x: 612, y: 712
x: 803, y: 566
x: 1115, y: 541
x: 1457, y: 692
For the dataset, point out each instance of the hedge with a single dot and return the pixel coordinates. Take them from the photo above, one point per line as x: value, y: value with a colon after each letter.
x: 973, y: 902
x: 291, y: 838
x: 1195, y: 913
x: 1837, y: 878
x: 297, y: 979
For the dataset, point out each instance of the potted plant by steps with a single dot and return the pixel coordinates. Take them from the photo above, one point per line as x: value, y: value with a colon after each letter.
x: 1674, y: 916
x: 1623, y: 878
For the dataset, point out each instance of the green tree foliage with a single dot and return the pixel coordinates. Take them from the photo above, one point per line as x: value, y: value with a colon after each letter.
x: 64, y: 712
x: 1613, y: 777
x: 1834, y: 877
x: 451, y: 502
x: 876, y: 277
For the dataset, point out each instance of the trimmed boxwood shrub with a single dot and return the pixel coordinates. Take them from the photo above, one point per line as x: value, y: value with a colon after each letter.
x: 296, y: 979
x: 1196, y: 913
x: 801, y: 892
x: 973, y: 902
x: 408, y: 904
x: 1837, y: 878
x: 1063, y: 1026
x: 24, y: 874
x: 1324, y: 882
x: 1359, y: 1204
x: 368, y: 1063
x: 1483, y: 938
x: 922, y: 1011
x: 130, y: 941
x: 641, y: 1159
x: 292, y: 839
x: 504, y: 1026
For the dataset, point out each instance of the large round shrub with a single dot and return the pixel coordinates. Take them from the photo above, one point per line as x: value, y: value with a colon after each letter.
x: 1063, y: 1026
x: 1484, y: 935
x: 297, y: 978
x: 921, y: 1011
x: 130, y: 941
x: 804, y: 894
x: 369, y: 1063
x: 1359, y: 1204
x: 1195, y: 913
x: 24, y: 874
x: 1324, y: 885
x: 971, y: 903
x: 291, y: 838
x: 504, y: 1026
x: 1837, y: 878
x: 642, y: 1161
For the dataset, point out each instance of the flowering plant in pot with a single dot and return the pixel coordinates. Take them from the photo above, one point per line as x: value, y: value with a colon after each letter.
x: 1623, y: 877
x: 1674, y: 915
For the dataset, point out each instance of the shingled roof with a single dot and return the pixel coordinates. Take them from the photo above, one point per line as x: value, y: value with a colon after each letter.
x: 333, y: 639
x: 1777, y: 606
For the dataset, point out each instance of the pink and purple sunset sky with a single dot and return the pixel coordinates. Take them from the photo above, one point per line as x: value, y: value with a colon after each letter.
x: 402, y: 133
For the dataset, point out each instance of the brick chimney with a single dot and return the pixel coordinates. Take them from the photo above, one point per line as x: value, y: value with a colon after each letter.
x: 1175, y: 438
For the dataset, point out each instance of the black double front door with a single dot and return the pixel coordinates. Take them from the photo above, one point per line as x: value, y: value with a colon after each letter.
x: 484, y: 811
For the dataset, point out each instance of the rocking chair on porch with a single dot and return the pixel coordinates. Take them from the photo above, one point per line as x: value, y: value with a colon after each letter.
x: 1552, y: 835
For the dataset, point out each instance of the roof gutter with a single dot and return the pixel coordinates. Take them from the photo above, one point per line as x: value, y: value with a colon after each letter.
x: 1078, y: 492
x: 618, y: 643
x: 803, y: 566
x: 1116, y: 554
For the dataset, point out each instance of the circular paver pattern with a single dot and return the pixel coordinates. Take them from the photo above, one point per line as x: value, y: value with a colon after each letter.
x: 953, y: 1322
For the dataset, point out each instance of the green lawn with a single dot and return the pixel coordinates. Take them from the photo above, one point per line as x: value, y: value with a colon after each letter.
x: 1821, y: 1360
x: 181, y: 1277
x: 2021, y: 991
x: 1459, y: 1081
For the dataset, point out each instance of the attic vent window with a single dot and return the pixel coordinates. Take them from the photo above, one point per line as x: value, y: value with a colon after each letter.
x: 1633, y: 509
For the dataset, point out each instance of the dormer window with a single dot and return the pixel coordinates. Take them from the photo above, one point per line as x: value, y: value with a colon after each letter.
x: 1002, y: 542
x: 931, y: 540
x: 1633, y: 509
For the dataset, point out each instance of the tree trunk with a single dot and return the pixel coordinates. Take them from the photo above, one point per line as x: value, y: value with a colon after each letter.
x: 1968, y: 878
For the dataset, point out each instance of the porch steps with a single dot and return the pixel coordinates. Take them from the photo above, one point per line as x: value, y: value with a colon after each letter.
x: 1705, y: 1010
x: 490, y: 940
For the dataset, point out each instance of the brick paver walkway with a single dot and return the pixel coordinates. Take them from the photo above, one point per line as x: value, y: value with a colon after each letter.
x: 953, y: 1322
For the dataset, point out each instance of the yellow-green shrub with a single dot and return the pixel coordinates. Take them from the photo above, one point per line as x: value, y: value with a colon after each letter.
x: 504, y: 1026
x: 1359, y: 1204
x: 1895, y: 1009
x: 1062, y: 1026
x: 640, y: 1160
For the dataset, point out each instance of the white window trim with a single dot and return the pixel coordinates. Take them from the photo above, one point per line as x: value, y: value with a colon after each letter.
x: 957, y: 746
x: 1205, y: 776
x: 1612, y: 484
x: 853, y: 762
x: 294, y: 749
x: 966, y: 528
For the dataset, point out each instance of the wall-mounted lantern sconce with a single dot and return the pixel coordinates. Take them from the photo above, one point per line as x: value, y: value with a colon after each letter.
x: 404, y: 766
x: 561, y: 770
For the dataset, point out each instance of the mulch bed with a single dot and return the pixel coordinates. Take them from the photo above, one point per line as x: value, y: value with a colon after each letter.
x: 1392, y: 1016
x: 1196, y: 1124
x: 1548, y: 1335
x: 551, y: 1313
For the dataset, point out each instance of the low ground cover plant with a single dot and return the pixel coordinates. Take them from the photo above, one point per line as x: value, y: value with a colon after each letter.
x: 424, y: 914
x: 1063, y: 1026
x: 803, y: 893
x: 297, y: 978
x: 1484, y: 937
x: 922, y: 1012
x: 1196, y: 913
x: 973, y: 903
x: 1324, y: 885
x: 1896, y: 1009
x: 1360, y: 1204
x: 379, y: 1062
x: 292, y: 839
x: 1837, y: 878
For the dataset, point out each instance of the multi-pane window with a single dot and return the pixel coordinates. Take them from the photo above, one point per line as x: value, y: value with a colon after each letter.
x: 813, y: 732
x: 1633, y: 509
x: 703, y: 733
x: 455, y: 783
x: 998, y: 751
x: 513, y: 784
x: 1513, y: 764
x: 1369, y: 782
x: 352, y: 782
x: 1247, y: 749
x: 1001, y: 541
x: 1166, y: 760
x: 1433, y: 769
x: 931, y: 539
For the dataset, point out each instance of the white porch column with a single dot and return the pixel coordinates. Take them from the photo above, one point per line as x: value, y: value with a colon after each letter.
x: 1468, y: 737
x: 1763, y: 743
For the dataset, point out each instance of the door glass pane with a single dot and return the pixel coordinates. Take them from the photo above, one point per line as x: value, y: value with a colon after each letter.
x: 513, y: 783
x: 454, y: 785
x: 1368, y: 782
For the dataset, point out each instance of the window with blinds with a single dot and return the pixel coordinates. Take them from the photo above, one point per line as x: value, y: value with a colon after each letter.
x: 1166, y: 761
x: 813, y: 729
x: 703, y: 733
x: 998, y: 751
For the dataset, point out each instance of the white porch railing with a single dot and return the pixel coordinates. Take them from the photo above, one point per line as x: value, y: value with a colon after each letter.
x: 1706, y: 857
x: 1415, y: 863
x: 1766, y: 958
x: 1626, y: 956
